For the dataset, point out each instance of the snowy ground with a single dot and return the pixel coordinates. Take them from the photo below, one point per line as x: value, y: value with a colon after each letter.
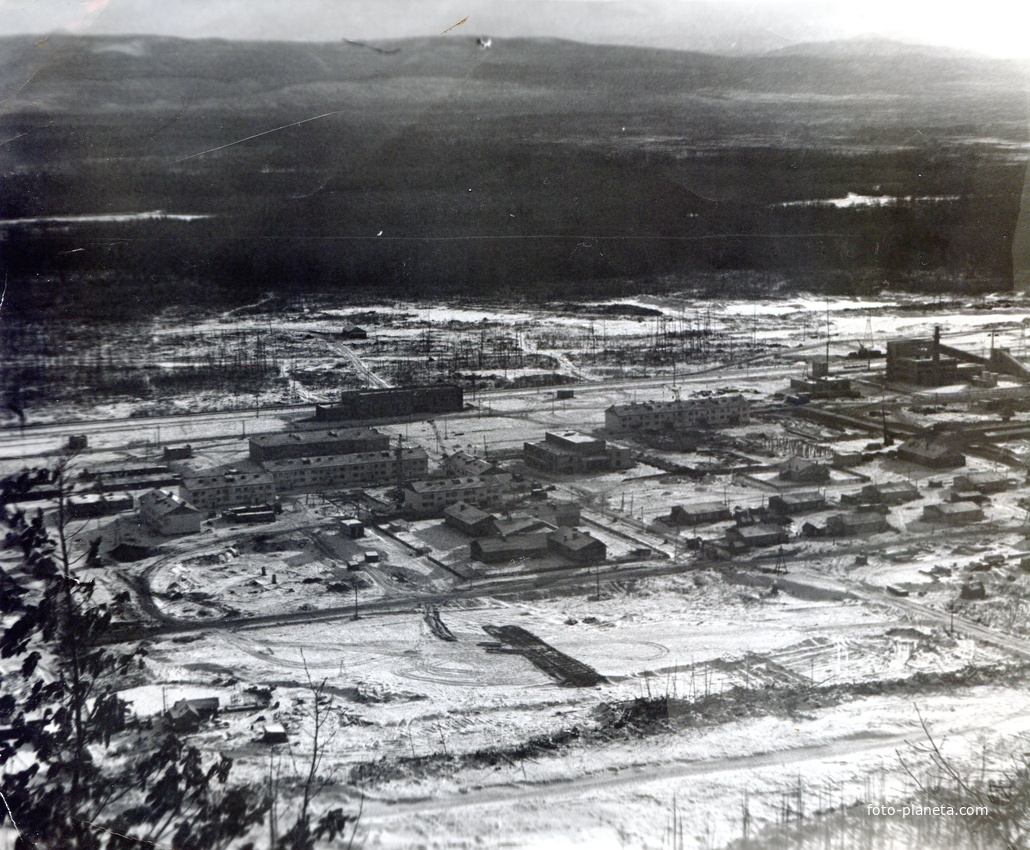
x: 401, y: 692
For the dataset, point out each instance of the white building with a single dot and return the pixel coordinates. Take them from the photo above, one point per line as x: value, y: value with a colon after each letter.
x: 429, y: 497
x: 720, y: 411
x: 228, y: 489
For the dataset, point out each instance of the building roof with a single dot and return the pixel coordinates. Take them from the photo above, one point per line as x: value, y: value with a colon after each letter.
x: 927, y: 447
x: 224, y: 479
x: 701, y: 508
x: 681, y: 404
x: 98, y: 498
x: 515, y: 545
x: 165, y: 502
x: 985, y: 477
x: 802, y: 497
x: 352, y: 459
x: 290, y: 438
x: 569, y: 538
x: 762, y: 529
x: 522, y: 525
x: 476, y: 465
x: 857, y: 520
x: 957, y: 508
x: 896, y: 487
x: 443, y: 485
x: 796, y: 464
x: 574, y: 437
x: 467, y: 513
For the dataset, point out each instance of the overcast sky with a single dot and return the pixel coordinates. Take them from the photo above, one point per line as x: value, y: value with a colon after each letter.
x: 996, y: 27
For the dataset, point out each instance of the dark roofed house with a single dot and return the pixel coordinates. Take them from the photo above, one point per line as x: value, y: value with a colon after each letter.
x: 797, y: 503
x: 523, y: 524
x: 493, y: 550
x: 931, y: 453
x: 698, y: 514
x: 983, y: 482
x: 555, y: 512
x: 577, y: 546
x: 890, y: 492
x: 187, y: 714
x: 856, y: 524
x: 760, y: 534
x: 802, y: 470
x: 168, y: 513
x: 470, y: 520
x: 353, y: 332
x: 953, y: 513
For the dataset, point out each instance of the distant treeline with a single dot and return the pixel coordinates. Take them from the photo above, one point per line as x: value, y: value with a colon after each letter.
x: 639, y: 229
x: 537, y: 169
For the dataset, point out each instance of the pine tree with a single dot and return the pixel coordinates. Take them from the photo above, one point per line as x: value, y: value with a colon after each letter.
x: 63, y: 787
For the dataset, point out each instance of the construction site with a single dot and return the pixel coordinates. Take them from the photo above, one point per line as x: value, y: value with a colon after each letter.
x: 646, y: 574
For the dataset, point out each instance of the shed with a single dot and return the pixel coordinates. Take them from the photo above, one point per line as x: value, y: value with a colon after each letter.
x: 274, y: 733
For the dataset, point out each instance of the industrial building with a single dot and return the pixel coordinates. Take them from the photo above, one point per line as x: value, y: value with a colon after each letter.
x: 572, y: 453
x: 925, y: 363
x: 818, y: 383
x: 348, y: 470
x: 430, y: 497
x: 321, y: 443
x: 720, y: 411
x: 393, y: 402
x: 168, y: 513
x: 212, y: 490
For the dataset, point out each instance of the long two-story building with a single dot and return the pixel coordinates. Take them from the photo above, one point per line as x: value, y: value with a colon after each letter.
x: 348, y: 470
x: 721, y: 411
